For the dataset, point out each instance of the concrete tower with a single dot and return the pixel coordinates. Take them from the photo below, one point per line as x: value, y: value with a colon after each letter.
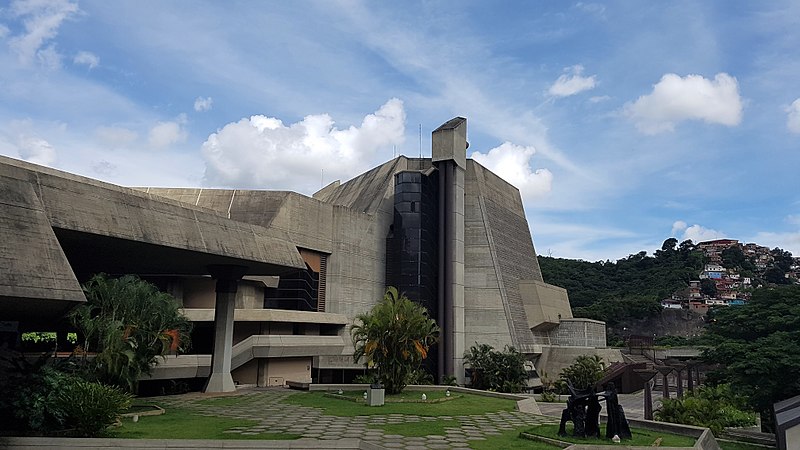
x: 449, y: 155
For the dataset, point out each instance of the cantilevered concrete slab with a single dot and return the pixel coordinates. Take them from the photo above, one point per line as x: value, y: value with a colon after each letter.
x: 35, y: 279
x: 103, y: 227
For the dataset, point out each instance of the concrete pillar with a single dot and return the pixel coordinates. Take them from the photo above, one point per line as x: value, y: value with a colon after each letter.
x: 690, y: 379
x: 679, y: 379
x: 448, y: 153
x: 648, y: 400
x: 665, y: 388
x: 227, y: 277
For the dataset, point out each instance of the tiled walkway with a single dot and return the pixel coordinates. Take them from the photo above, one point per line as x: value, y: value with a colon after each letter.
x: 265, y: 406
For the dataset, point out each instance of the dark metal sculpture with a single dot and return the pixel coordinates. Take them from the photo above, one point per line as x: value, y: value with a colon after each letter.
x: 583, y: 409
x: 617, y: 423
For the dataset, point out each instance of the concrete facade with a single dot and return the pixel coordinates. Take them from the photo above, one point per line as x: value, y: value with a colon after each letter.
x: 493, y: 291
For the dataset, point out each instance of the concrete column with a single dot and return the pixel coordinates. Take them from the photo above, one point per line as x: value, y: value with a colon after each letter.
x: 690, y: 379
x: 227, y: 277
x: 448, y: 153
x: 665, y: 390
x: 648, y: 400
x: 679, y: 379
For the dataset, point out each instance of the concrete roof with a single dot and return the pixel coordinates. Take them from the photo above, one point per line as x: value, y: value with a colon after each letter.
x: 59, y: 225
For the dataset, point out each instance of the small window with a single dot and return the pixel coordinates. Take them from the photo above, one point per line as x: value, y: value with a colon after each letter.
x: 413, y: 206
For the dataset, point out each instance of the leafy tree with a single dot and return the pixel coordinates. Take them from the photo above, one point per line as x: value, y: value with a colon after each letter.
x: 715, y: 407
x: 708, y: 287
x: 733, y: 257
x: 584, y: 372
x: 758, y: 348
x: 129, y: 323
x: 493, y: 370
x: 394, y: 337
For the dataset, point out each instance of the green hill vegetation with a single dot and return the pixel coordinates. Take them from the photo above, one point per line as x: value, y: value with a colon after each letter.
x: 632, y: 287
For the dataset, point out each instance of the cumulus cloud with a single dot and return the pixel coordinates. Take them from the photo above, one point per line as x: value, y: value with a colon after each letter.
x: 165, y: 134
x: 203, y: 104
x: 512, y: 163
x: 263, y: 152
x: 36, y: 150
x: 41, y: 20
x: 789, y: 241
x: 793, y: 118
x: 572, y: 82
x: 87, y: 59
x: 678, y: 227
x: 696, y: 233
x: 675, y: 99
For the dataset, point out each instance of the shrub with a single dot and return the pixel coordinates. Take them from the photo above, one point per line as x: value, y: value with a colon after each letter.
x: 584, y: 372
x: 130, y: 324
x: 712, y: 407
x: 89, y: 408
x: 494, y: 370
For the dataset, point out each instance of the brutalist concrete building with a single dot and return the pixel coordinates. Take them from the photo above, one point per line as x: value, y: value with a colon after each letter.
x: 273, y: 280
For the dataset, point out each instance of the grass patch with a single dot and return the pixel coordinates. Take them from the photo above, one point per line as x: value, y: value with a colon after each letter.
x: 403, y: 397
x: 726, y: 445
x: 137, y: 409
x: 179, y: 423
x: 509, y: 440
x: 419, y: 429
x: 640, y: 437
x: 467, y: 404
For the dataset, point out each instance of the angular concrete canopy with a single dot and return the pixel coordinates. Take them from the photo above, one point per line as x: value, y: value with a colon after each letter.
x: 61, y: 228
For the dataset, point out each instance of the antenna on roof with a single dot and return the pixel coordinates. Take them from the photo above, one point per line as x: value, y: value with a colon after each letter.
x: 321, y: 178
x: 394, y: 151
x: 420, y: 141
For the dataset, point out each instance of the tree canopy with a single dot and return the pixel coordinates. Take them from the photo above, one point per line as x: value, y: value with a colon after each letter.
x: 647, y: 277
x: 394, y: 337
x: 758, y: 347
x: 129, y: 323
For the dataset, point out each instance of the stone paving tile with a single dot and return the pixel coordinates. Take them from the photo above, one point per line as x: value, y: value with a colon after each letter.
x: 266, y: 407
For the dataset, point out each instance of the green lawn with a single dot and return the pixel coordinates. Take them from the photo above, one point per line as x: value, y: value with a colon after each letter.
x: 640, y: 437
x: 179, y: 423
x: 405, y: 396
x: 509, y: 440
x: 467, y: 404
x: 739, y: 446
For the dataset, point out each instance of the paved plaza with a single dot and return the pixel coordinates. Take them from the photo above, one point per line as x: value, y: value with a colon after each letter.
x: 272, y: 415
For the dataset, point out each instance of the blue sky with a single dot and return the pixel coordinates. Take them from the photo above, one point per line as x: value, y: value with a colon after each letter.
x: 622, y: 123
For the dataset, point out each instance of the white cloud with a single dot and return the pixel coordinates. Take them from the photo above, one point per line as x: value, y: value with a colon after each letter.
x: 512, y: 163
x: 696, y: 233
x: 4, y: 31
x: 36, y: 150
x: 87, y: 59
x: 599, y: 98
x: 164, y: 134
x: 678, y: 227
x: 262, y: 152
x: 572, y: 82
x: 789, y: 241
x: 41, y: 19
x: 675, y: 99
x: 203, y: 104
x: 793, y: 117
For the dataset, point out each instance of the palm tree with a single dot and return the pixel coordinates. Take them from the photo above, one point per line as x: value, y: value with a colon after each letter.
x: 394, y: 337
x: 129, y: 323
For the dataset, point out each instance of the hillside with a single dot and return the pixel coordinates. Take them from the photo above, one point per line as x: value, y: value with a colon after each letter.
x: 628, y: 293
